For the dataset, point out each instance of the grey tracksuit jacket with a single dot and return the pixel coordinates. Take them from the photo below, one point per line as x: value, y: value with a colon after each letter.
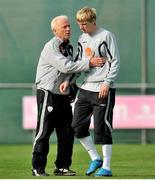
x: 56, y: 65
x: 100, y: 43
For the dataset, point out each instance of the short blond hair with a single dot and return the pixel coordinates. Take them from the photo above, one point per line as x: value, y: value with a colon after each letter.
x: 86, y: 14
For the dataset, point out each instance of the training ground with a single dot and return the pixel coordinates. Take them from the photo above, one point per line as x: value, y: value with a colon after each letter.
x: 128, y: 162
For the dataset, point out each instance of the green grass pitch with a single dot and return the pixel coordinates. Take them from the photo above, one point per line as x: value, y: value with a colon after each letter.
x: 128, y: 162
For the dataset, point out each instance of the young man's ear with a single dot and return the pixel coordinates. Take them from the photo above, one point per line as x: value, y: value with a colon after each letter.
x: 94, y: 22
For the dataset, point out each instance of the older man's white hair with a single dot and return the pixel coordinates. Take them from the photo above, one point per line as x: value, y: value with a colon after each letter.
x: 54, y: 20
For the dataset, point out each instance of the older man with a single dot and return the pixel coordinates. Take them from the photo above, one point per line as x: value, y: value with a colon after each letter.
x: 54, y: 110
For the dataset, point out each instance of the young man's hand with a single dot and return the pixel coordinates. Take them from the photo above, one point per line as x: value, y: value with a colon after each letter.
x: 104, y: 90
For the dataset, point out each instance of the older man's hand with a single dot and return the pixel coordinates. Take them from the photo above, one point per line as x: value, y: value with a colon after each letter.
x: 63, y: 87
x: 97, y: 61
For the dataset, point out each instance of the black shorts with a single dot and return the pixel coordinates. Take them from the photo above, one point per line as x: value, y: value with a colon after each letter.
x: 87, y: 104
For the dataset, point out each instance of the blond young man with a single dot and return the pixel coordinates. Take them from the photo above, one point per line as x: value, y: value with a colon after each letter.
x: 97, y: 92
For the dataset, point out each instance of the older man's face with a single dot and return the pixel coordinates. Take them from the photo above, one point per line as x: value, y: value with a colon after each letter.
x: 63, y: 29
